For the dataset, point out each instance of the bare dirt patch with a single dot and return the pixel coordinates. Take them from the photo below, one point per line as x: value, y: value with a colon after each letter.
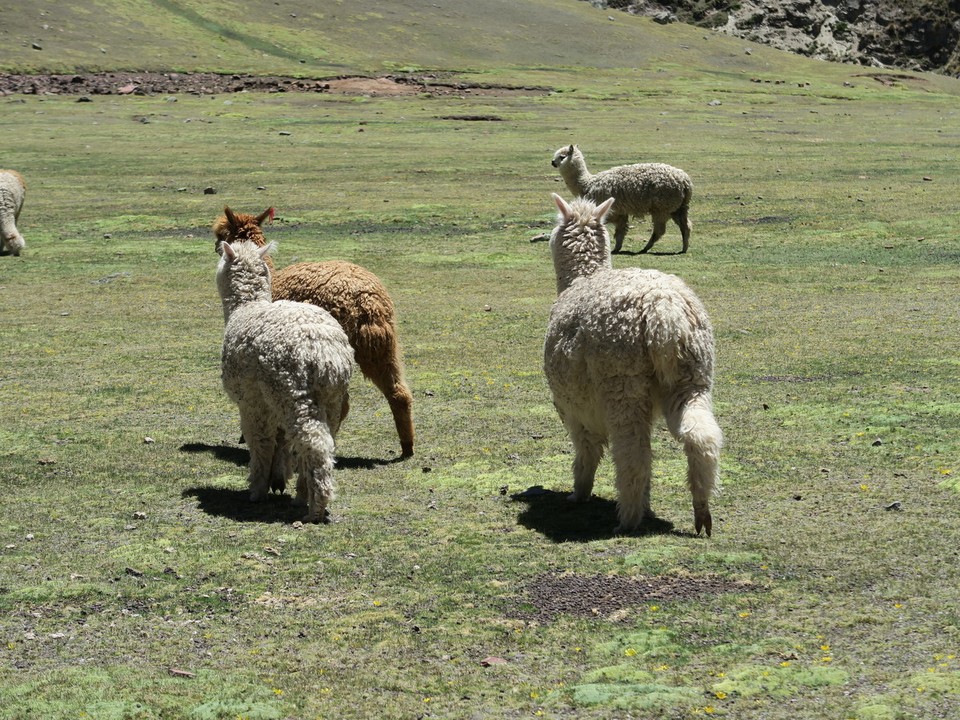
x: 154, y: 83
x: 605, y: 596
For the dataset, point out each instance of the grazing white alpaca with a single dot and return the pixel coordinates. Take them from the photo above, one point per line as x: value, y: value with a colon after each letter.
x: 622, y: 347
x: 656, y: 189
x: 287, y: 365
x: 12, y: 191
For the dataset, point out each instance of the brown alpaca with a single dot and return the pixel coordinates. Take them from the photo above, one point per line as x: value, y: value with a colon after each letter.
x: 357, y: 300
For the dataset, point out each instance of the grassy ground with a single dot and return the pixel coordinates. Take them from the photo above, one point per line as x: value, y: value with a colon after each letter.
x: 136, y: 581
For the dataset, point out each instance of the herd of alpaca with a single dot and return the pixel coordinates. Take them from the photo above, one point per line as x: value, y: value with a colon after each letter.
x: 622, y: 347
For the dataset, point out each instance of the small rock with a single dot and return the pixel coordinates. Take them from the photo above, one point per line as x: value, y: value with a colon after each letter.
x: 877, y: 443
x: 84, y: 99
x: 148, y: 440
x: 209, y: 191
x: 139, y: 515
x: 927, y: 178
x: 285, y: 133
x: 133, y: 572
x: 36, y: 46
x: 489, y: 661
x: 107, y: 236
x: 714, y: 103
x: 896, y: 505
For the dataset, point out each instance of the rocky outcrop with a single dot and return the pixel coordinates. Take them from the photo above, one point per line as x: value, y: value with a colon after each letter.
x: 910, y: 34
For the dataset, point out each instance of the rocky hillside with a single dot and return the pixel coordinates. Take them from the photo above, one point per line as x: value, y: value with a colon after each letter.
x: 909, y: 34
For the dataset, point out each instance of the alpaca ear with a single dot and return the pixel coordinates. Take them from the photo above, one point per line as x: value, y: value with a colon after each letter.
x: 570, y: 149
x: 231, y: 218
x: 562, y: 206
x: 266, y: 215
x: 228, y: 252
x: 603, y: 208
x: 267, y: 249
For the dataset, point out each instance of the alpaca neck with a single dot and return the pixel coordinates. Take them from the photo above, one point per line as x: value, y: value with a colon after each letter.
x: 576, y: 176
x: 580, y: 255
x: 243, y: 289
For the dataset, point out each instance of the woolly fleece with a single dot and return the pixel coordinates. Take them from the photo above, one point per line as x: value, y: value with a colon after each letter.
x: 623, y: 347
x: 656, y: 189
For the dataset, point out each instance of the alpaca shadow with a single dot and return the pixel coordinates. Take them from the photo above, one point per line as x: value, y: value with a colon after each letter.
x: 658, y: 253
x: 241, y: 457
x: 234, y: 503
x: 550, y: 513
x: 227, y: 453
x: 360, y: 463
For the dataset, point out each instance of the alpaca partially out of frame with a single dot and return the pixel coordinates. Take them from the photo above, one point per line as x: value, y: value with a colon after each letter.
x: 622, y: 347
x: 656, y: 189
x: 359, y: 302
x: 287, y: 365
x: 12, y: 191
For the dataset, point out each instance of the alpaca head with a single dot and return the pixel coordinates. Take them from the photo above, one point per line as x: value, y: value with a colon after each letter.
x: 565, y: 155
x: 579, y: 243
x: 14, y: 243
x: 243, y: 275
x: 234, y: 227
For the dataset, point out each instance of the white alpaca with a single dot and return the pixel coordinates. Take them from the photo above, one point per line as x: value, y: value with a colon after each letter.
x: 656, y: 189
x: 287, y: 366
x: 12, y: 191
x: 622, y: 347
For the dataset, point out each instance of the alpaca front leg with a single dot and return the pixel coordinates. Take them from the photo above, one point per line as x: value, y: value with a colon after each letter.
x: 589, y: 451
x: 622, y: 224
x: 632, y: 458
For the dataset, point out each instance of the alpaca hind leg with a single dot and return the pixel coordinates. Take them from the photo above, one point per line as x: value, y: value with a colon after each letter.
x: 260, y: 434
x: 659, y: 228
x: 280, y: 468
x: 690, y: 419
x: 589, y: 451
x: 632, y: 457
x: 681, y: 218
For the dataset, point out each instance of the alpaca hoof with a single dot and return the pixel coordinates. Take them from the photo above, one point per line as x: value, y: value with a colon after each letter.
x: 406, y: 450
x: 622, y: 529
x: 574, y: 498
x: 278, y: 486
x: 319, y: 518
x: 703, y: 521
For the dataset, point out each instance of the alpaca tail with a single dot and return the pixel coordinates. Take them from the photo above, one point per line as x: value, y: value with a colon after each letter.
x: 693, y: 424
x: 314, y: 447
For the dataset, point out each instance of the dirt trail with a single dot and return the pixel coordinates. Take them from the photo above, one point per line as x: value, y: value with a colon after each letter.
x: 153, y: 83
